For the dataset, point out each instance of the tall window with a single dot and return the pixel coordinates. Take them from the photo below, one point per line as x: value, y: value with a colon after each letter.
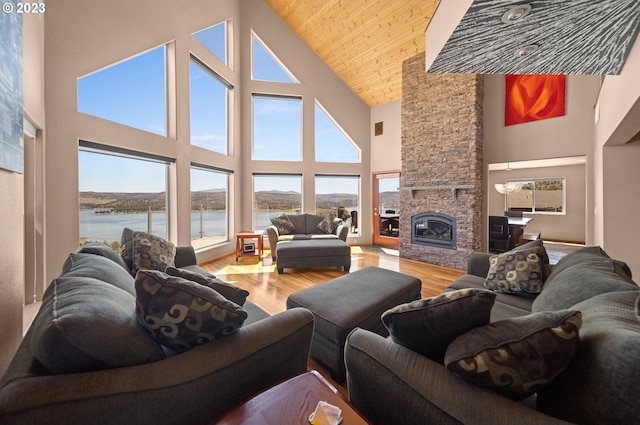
x: 209, y: 107
x: 546, y: 196
x: 209, y: 206
x: 266, y: 66
x: 274, y: 194
x: 332, y: 143
x: 119, y: 190
x: 215, y: 40
x: 132, y: 92
x: 277, y: 128
x: 338, y: 195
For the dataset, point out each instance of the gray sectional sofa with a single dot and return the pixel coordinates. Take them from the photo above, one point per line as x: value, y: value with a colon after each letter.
x: 305, y: 227
x: 103, y: 368
x: 392, y: 384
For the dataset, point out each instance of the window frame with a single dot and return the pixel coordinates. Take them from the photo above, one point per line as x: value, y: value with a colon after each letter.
x: 272, y: 96
x: 100, y: 149
x: 533, y: 194
x: 228, y: 174
x: 254, y: 208
x: 165, y: 92
x: 194, y: 60
x: 356, y: 177
x: 319, y: 107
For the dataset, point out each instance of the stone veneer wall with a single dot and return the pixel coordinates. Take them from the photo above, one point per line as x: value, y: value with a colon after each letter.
x: 442, y: 134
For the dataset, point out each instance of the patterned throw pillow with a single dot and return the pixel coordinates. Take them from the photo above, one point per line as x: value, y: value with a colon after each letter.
x: 517, y: 357
x: 429, y: 325
x: 151, y: 252
x: 283, y: 224
x: 515, y: 272
x: 230, y: 292
x: 329, y: 224
x: 181, y: 314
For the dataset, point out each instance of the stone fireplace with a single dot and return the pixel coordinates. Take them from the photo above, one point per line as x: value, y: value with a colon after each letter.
x: 433, y: 229
x: 442, y: 171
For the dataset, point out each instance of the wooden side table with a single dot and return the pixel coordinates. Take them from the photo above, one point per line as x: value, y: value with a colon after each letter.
x: 252, y: 237
x: 291, y: 402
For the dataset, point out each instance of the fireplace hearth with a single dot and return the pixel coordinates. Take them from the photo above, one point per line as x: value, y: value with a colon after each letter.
x: 434, y: 229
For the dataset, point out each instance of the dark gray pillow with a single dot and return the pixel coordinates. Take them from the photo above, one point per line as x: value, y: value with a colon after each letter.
x: 584, y: 274
x: 103, y: 251
x: 85, y: 324
x: 126, y: 247
x: 283, y: 224
x: 593, y: 254
x: 230, y: 292
x: 181, y: 314
x: 81, y: 264
x: 517, y: 357
x: 299, y: 222
x: 429, y: 325
x: 600, y: 386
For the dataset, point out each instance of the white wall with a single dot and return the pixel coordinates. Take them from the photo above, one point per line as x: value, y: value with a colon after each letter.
x: 566, y: 136
x: 87, y: 36
x: 11, y: 265
x: 386, y: 149
x: 615, y: 167
x: 568, y: 227
x: 12, y: 188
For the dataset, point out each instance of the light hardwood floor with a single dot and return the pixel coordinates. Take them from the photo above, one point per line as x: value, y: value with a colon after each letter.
x: 270, y: 290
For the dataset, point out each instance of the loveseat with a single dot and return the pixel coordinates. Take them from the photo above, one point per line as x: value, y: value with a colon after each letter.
x: 290, y: 227
x: 86, y: 360
x: 597, y: 383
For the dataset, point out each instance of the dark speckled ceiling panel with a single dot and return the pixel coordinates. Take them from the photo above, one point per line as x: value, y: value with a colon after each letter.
x: 572, y: 37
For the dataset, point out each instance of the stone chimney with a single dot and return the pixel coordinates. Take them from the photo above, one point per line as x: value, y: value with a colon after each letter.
x: 442, y: 166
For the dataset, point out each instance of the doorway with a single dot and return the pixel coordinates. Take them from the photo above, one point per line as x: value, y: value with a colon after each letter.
x: 386, y: 209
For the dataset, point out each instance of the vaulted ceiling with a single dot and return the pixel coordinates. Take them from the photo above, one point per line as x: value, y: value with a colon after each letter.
x: 366, y: 41
x: 363, y: 41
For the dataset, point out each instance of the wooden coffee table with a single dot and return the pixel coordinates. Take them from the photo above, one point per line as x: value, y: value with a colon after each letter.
x: 291, y: 402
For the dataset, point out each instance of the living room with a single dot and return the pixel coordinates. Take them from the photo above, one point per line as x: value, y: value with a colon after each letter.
x: 74, y: 39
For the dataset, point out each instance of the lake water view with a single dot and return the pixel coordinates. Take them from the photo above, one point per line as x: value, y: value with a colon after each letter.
x: 108, y: 227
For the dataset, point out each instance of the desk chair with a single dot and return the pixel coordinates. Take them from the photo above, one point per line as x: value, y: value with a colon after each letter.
x: 499, y: 235
x: 354, y: 221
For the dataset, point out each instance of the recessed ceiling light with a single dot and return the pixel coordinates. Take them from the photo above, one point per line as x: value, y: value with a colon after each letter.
x: 526, y: 50
x: 516, y: 14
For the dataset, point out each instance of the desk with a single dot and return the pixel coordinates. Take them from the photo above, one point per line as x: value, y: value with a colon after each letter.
x: 240, y: 244
x: 291, y: 402
x: 519, y: 221
x: 516, y: 229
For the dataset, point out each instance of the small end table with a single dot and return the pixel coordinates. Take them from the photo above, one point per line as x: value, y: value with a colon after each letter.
x: 291, y: 402
x: 245, y: 249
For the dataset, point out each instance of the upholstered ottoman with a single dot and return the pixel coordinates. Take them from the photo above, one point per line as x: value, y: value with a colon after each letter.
x: 347, y: 302
x: 313, y: 253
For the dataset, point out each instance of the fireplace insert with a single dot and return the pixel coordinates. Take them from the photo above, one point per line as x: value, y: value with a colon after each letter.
x: 434, y: 229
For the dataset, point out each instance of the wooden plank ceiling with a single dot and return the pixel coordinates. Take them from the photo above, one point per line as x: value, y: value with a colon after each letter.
x: 363, y: 41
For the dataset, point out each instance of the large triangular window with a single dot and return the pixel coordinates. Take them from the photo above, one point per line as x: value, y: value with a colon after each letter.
x: 215, y: 40
x: 332, y: 143
x: 131, y: 92
x: 265, y: 66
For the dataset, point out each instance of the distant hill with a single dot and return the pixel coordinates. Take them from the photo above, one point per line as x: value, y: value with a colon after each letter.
x: 215, y: 199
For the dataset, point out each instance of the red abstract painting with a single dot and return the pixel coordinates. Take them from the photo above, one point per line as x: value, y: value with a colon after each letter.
x: 533, y: 97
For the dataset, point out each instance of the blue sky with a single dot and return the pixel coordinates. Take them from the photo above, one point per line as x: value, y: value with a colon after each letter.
x: 132, y: 92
